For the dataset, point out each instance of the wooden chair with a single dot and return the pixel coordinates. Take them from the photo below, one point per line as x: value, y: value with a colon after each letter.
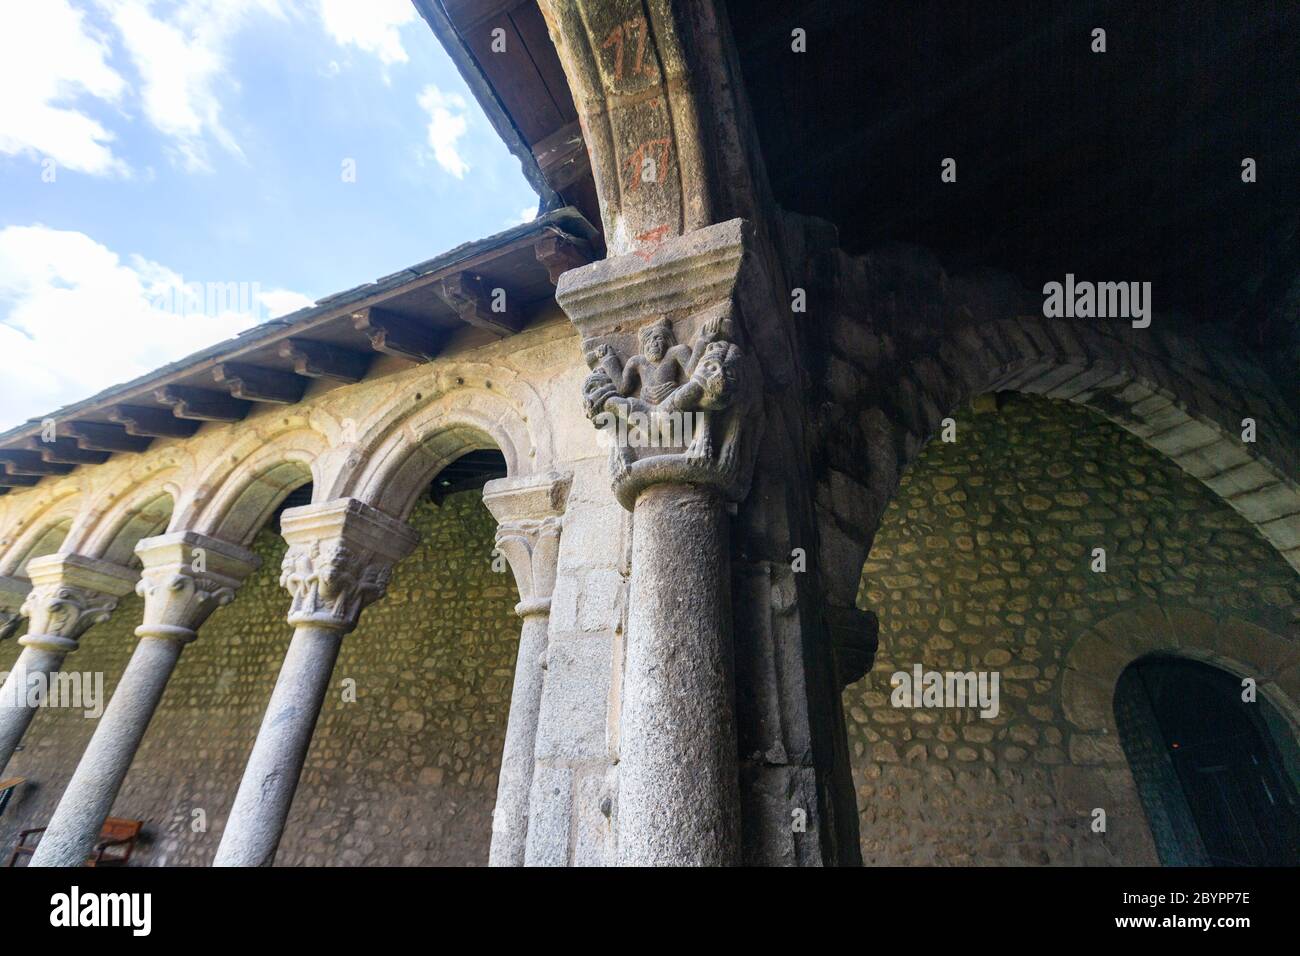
x: 117, y: 835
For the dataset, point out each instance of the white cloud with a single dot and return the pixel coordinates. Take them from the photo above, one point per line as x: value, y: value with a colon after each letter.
x: 447, y: 124
x: 527, y: 214
x: 49, y: 56
x: 280, y: 302
x: 75, y: 318
x: 374, y: 25
x: 181, y: 57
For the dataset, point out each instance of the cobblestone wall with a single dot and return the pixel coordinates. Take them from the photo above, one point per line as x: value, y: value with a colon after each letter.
x: 406, y: 774
x: 982, y: 563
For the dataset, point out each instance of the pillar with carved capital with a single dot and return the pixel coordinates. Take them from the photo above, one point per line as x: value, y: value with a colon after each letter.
x: 341, y: 554
x: 528, y: 511
x: 681, y: 422
x: 186, y: 577
x: 69, y: 594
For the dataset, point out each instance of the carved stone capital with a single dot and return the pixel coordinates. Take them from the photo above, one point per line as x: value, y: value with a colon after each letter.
x: 186, y: 577
x: 529, y: 516
x: 341, y: 554
x: 672, y: 389
x: 69, y: 594
x: 13, y: 591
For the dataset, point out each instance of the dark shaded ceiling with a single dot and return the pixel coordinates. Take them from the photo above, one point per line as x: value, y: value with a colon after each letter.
x: 1124, y: 165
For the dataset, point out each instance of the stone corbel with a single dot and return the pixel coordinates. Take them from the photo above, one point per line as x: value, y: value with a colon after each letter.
x: 186, y: 577
x: 855, y: 637
x: 528, y: 512
x: 13, y: 591
x: 69, y: 594
x: 672, y: 413
x: 341, y: 555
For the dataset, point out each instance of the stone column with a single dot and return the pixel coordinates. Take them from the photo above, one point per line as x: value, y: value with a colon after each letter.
x: 528, y: 513
x: 13, y: 591
x: 186, y: 577
x: 341, y: 554
x: 69, y: 594
x: 681, y: 423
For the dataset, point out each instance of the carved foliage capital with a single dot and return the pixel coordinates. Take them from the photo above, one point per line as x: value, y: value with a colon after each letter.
x: 341, y: 555
x: 529, y: 514
x: 186, y: 577
x: 69, y: 594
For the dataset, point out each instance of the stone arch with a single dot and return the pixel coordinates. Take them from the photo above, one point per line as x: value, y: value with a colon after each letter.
x: 1099, y: 773
x: 145, y: 516
x: 244, y: 496
x: 1098, y: 658
x: 401, y: 453
x: 125, y: 512
x: 993, y: 572
x: 1167, y: 390
x: 43, y: 530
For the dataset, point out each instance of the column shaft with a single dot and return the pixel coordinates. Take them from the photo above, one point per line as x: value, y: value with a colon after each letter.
x: 86, y: 803
x: 510, y: 819
x: 270, y: 780
x: 678, y: 791
x: 15, y: 714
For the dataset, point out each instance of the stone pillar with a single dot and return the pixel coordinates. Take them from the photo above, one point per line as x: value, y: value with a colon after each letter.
x: 678, y: 784
x: 186, y: 577
x: 341, y: 554
x: 528, y: 513
x: 13, y: 591
x: 681, y: 422
x: 69, y: 594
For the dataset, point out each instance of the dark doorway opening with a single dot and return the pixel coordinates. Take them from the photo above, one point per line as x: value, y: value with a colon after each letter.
x: 471, y: 470
x: 1216, y: 773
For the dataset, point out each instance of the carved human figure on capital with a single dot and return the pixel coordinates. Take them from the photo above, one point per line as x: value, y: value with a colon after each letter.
x: 670, y: 388
x: 658, y: 369
x: 650, y: 377
x: 330, y: 584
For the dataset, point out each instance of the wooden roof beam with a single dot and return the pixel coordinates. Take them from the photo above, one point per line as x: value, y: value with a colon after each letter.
x: 478, y: 306
x: 8, y: 480
x: 560, y: 254
x: 202, y: 404
x: 21, y: 461
x: 323, y: 360
x: 394, y: 335
x: 66, y: 451
x: 99, y: 436
x: 257, y: 384
x: 151, y: 422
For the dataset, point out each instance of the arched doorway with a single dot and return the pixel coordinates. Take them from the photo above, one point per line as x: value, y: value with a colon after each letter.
x: 985, y: 562
x: 1215, y: 776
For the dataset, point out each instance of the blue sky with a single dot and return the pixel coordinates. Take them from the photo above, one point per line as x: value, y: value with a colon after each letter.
x: 297, y: 147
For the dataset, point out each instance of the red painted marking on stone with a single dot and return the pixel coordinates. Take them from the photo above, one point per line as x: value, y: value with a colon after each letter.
x: 635, y: 161
x: 624, y: 32
x: 655, y: 237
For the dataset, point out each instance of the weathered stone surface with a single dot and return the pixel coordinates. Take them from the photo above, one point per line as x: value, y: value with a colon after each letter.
x: 1060, y: 640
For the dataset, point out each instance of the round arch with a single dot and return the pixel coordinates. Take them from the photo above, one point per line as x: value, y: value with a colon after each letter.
x: 1097, y: 659
x: 41, y: 531
x: 236, y: 496
x: 1179, y: 407
x: 398, y: 457
x: 128, y: 510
